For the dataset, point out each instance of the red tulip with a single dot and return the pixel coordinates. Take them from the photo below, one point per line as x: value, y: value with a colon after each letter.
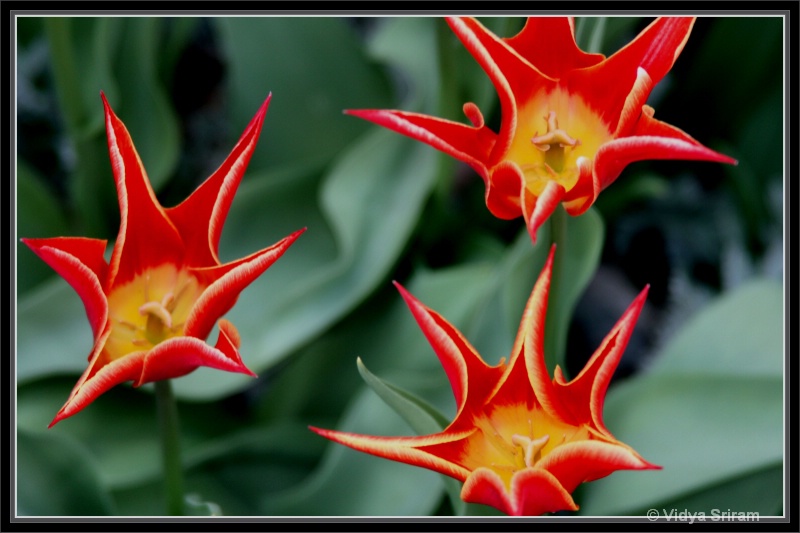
x: 521, y: 441
x: 571, y: 121
x: 154, y: 304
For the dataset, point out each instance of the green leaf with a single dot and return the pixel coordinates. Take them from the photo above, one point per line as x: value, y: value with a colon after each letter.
x: 330, y: 269
x: 737, y: 494
x: 589, y: 34
x: 351, y: 483
x: 710, y: 410
x: 739, y: 334
x: 700, y: 429
x: 423, y: 418
x: 56, y: 476
x: 38, y: 215
x: 320, y: 381
x: 81, y: 51
x: 144, y: 104
x: 314, y: 67
x: 53, y: 333
x: 405, y: 43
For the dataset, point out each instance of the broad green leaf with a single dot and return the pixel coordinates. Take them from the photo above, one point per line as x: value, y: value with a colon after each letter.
x: 700, y: 429
x: 119, y: 56
x: 357, y: 228
x: 710, y: 410
x: 53, y: 333
x: 739, y: 334
x: 144, y: 104
x: 235, y: 471
x: 351, y: 483
x: 81, y: 51
x: 759, y: 491
x: 361, y: 229
x: 225, y: 461
x: 38, y: 215
x: 81, y: 55
x: 384, y: 334
x: 314, y: 67
x: 119, y: 430
x: 57, y: 476
x: 407, y: 43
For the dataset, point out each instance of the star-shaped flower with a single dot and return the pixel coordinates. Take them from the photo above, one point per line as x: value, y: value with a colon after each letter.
x: 154, y: 304
x: 571, y: 121
x: 521, y: 441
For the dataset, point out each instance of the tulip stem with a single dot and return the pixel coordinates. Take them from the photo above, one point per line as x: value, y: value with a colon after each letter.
x: 170, y: 445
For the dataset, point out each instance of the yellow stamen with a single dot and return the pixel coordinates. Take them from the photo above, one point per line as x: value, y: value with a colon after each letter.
x: 554, y: 142
x: 159, y: 321
x: 532, y: 447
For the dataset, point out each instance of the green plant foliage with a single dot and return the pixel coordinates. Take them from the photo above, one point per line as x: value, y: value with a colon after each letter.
x: 60, y: 478
x: 702, y: 397
x: 40, y: 215
x: 722, y: 373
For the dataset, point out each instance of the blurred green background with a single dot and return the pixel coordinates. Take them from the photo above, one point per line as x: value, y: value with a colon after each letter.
x: 700, y: 390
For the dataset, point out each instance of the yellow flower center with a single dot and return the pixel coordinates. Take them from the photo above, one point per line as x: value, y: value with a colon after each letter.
x: 150, y: 309
x: 571, y: 130
x: 512, y: 438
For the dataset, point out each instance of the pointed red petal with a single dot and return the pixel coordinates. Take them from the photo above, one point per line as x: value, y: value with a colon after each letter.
x: 532, y: 329
x: 146, y: 237
x: 230, y: 280
x: 465, y: 143
x: 201, y: 216
x: 537, y: 210
x: 606, y: 86
x: 99, y: 378
x: 80, y: 262
x: 583, y: 397
x: 661, y: 141
x: 549, y: 44
x: 636, y: 99
x: 649, y: 126
x: 403, y: 449
x: 514, y: 78
x: 533, y: 492
x: 181, y: 355
x: 656, y: 48
x: 578, y: 462
x: 470, y: 377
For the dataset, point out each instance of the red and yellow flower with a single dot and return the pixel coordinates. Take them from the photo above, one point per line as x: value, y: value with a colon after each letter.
x: 521, y: 441
x: 571, y: 121
x: 152, y: 306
